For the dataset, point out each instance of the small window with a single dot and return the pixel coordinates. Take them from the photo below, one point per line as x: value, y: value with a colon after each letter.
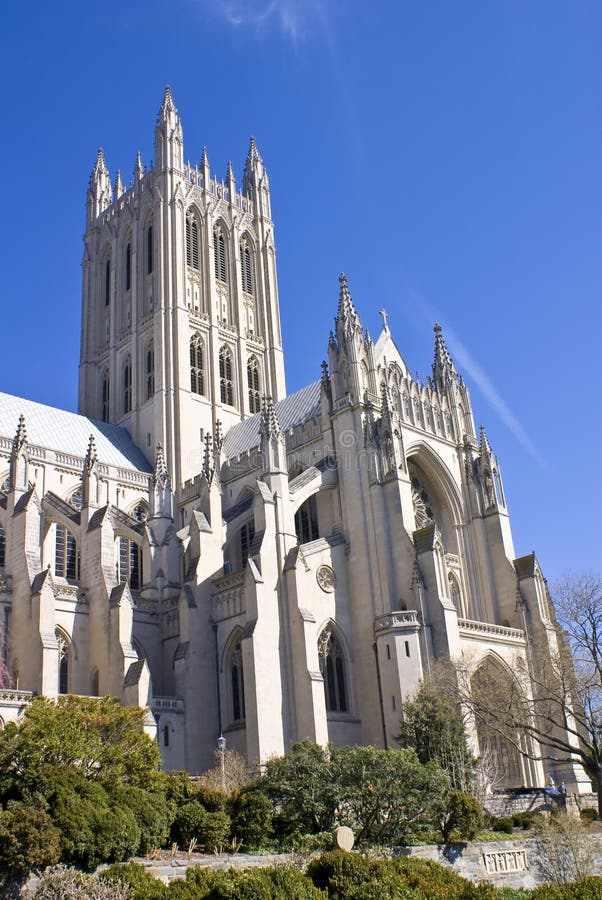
x: 192, y: 242
x: 149, y: 249
x: 197, y: 384
x: 64, y: 655
x: 247, y: 533
x: 107, y: 282
x: 388, y: 652
x: 127, y: 386
x: 237, y: 684
x: 128, y: 267
x: 166, y: 735
x: 306, y: 521
x: 2, y: 547
x: 150, y: 371
x: 130, y: 563
x: 246, y: 269
x: 219, y: 255
x: 66, y: 555
x: 407, y: 646
x: 253, y: 383
x: 105, y: 398
x: 225, y: 377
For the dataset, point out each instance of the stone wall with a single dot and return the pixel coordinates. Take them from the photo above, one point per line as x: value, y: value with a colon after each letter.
x: 522, y: 800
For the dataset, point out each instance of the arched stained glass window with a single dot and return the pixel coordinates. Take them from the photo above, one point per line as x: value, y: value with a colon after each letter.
x: 127, y: 386
x: 192, y: 241
x: 219, y: 255
x: 333, y: 668
x: 64, y: 659
x: 253, y: 384
x: 128, y: 267
x: 197, y: 381
x: 149, y: 250
x: 66, y: 555
x: 149, y: 374
x: 246, y: 268
x: 108, y: 282
x: 225, y: 376
x: 237, y: 684
x: 130, y: 563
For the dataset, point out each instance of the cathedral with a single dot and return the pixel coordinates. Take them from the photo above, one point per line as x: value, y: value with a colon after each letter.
x: 243, y: 563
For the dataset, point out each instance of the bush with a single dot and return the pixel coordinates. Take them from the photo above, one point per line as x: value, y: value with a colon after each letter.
x: 209, y: 829
x: 61, y: 883
x: 505, y: 824
x: 252, y: 818
x: 463, y: 815
x: 589, y: 815
x: 589, y: 888
x: 434, y: 882
x: 277, y: 883
x: 142, y: 885
x: 28, y: 839
x: 338, y: 871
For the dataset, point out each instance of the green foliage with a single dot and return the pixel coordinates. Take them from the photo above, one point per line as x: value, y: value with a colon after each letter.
x: 252, y: 817
x: 141, y: 884
x: 180, y: 788
x: 302, y: 787
x: 589, y: 815
x: 463, y: 815
x: 28, y: 839
x: 348, y: 876
x: 278, y: 883
x: 588, y: 888
x: 386, y: 796
x: 89, y: 764
x: 433, y: 726
x: 211, y: 830
x: 503, y: 824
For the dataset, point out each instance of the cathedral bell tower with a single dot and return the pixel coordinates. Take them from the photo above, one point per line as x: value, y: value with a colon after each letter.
x: 180, y: 318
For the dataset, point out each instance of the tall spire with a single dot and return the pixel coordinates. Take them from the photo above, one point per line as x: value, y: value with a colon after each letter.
x: 169, y: 150
x: 168, y: 107
x: 119, y: 187
x: 138, y: 168
x: 254, y: 169
x: 444, y: 371
x: 347, y: 320
x: 100, y: 194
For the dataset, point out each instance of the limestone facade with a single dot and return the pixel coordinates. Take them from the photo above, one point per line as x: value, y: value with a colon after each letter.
x: 239, y: 561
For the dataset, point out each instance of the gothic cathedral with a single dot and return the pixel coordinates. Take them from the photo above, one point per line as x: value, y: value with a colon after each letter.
x: 238, y: 561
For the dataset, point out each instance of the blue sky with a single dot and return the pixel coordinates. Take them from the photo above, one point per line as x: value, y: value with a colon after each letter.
x: 446, y: 155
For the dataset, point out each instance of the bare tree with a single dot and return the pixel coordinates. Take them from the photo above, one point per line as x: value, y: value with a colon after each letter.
x: 551, y: 710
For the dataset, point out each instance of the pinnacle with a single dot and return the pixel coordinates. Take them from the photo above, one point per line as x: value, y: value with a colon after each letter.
x: 100, y: 165
x: 138, y: 168
x: 91, y: 454
x: 160, y: 464
x: 270, y: 426
x: 167, y: 106
x: 347, y: 316
x: 443, y: 367
x: 21, y: 434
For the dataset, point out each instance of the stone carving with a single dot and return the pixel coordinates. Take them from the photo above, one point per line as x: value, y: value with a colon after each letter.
x: 326, y: 579
x: 343, y: 838
x: 505, y: 861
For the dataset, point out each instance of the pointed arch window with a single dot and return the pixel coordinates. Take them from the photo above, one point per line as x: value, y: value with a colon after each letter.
x: 104, y: 414
x: 2, y: 547
x: 94, y: 683
x: 192, y: 241
x: 456, y: 595
x: 128, y: 267
x: 237, y: 683
x: 253, y: 385
x: 334, y: 671
x: 306, y: 521
x: 130, y: 563
x: 226, y: 384
x: 149, y: 250
x: 108, y: 281
x: 219, y: 254
x: 66, y: 555
x: 149, y: 372
x: 246, y: 268
x: 64, y: 654
x: 247, y: 533
x: 127, y: 386
x: 197, y: 381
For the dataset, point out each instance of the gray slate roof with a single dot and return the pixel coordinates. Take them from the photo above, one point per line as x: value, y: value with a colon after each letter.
x: 57, y: 429
x: 294, y: 410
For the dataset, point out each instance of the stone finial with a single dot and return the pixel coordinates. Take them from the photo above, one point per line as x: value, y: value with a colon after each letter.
x: 119, y: 186
x: 270, y: 426
x: 100, y: 166
x: 230, y: 172
x: 347, y: 320
x: 161, y: 475
x: 218, y: 437
x: 208, y: 458
x: 168, y: 107
x: 384, y: 315
x: 138, y: 168
x: 205, y: 157
x: 91, y: 455
x: 444, y: 370
x: 20, y: 438
x: 253, y: 156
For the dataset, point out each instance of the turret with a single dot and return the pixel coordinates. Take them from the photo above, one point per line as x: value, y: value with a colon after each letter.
x: 100, y: 194
x: 169, y: 137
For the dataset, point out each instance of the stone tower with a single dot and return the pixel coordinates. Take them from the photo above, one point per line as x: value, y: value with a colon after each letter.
x: 180, y: 318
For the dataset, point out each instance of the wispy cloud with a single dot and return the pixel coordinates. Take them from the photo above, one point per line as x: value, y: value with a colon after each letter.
x: 294, y: 18
x: 465, y: 359
x: 477, y: 376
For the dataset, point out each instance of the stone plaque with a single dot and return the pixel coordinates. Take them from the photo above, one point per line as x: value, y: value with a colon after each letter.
x: 505, y: 861
x: 326, y: 579
x: 343, y: 838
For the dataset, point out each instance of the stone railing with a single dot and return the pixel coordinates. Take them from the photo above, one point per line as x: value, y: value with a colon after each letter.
x: 167, y: 705
x: 10, y: 697
x: 471, y: 629
x: 397, y: 620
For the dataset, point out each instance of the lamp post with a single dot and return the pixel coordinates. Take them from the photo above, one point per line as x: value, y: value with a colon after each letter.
x: 221, y: 746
